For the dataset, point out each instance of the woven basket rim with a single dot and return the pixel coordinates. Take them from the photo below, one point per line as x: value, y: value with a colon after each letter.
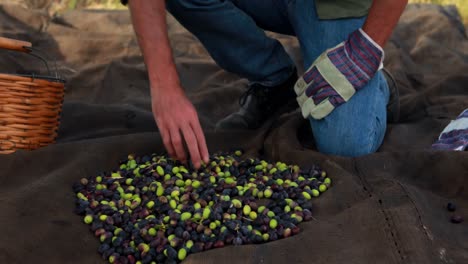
x: 30, y: 78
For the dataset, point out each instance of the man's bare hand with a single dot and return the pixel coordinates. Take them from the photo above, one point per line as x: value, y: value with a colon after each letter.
x: 175, y: 116
x: 178, y: 122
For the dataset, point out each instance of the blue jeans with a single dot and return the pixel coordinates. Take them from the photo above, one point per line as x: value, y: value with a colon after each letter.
x: 233, y: 33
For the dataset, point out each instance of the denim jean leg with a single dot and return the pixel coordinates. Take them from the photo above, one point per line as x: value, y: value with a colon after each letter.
x: 357, y: 127
x: 234, y: 40
x: 271, y: 15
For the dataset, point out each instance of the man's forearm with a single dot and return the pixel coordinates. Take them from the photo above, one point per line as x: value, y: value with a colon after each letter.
x: 149, y: 22
x: 382, y: 19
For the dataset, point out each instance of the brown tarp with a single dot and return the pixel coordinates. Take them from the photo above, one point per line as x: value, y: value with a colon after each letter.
x: 387, y: 207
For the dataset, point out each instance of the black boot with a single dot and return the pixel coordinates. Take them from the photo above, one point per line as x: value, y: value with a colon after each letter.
x: 259, y: 103
x: 393, y: 106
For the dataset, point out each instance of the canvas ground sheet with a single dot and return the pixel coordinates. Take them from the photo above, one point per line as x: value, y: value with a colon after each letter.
x: 388, y: 207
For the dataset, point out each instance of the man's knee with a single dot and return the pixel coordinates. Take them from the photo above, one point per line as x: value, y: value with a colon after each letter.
x: 350, y: 146
x: 351, y: 142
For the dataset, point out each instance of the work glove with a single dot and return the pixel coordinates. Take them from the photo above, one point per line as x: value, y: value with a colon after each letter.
x: 455, y: 135
x: 337, y: 74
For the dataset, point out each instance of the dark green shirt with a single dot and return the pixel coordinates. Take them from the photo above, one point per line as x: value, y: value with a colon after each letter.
x: 334, y: 9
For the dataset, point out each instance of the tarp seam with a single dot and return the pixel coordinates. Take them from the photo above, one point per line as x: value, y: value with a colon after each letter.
x: 387, y: 217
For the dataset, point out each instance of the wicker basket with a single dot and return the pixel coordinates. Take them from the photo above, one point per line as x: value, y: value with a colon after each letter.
x: 30, y: 105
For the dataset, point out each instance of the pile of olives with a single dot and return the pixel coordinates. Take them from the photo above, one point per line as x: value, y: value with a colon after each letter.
x: 153, y: 209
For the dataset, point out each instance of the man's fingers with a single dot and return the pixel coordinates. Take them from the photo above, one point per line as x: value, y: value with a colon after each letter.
x: 201, y: 141
x: 192, y: 145
x: 177, y: 144
x: 166, y: 137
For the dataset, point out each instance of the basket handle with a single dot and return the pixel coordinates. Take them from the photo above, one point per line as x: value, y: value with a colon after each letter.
x: 17, y: 45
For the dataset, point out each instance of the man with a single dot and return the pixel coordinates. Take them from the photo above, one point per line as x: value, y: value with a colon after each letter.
x: 344, y: 93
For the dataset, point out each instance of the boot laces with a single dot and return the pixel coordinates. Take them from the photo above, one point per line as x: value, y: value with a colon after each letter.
x: 255, y: 90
